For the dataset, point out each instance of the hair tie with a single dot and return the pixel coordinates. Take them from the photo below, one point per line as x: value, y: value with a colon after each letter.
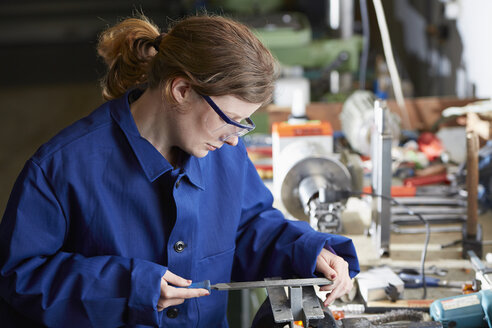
x: 157, y: 41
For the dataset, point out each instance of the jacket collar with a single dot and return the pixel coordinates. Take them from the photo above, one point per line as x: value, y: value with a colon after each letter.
x: 151, y: 161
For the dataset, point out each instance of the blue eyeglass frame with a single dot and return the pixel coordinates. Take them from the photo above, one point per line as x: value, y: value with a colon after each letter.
x: 250, y: 127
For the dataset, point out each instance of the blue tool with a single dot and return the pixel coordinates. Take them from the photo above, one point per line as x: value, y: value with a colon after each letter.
x: 415, y: 281
x: 202, y: 284
x: 467, y: 311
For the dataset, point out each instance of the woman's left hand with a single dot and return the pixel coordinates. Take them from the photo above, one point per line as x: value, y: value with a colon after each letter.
x: 334, y: 268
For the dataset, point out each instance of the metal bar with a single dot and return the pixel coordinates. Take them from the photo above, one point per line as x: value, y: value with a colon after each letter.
x: 272, y: 283
x: 381, y: 180
x: 472, y: 183
x: 450, y: 201
x: 397, y: 229
x: 430, y: 210
x: 431, y: 218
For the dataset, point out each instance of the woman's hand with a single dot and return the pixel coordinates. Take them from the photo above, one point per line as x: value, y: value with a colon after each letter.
x: 334, y: 268
x: 174, y: 295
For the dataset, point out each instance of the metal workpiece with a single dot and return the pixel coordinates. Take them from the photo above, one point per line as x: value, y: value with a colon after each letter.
x: 302, y: 304
x: 306, y: 171
x: 280, y: 305
x: 325, y: 216
x: 295, y: 300
x: 312, y: 186
x: 381, y: 144
x: 321, y: 206
x: 272, y: 283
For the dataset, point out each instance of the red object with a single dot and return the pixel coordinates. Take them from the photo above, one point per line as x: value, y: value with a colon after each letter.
x: 260, y: 150
x: 430, y: 145
x: 426, y: 180
x: 397, y: 191
x: 264, y: 167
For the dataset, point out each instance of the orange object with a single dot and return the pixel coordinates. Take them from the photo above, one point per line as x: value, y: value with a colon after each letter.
x: 468, y: 289
x: 337, y: 314
x: 309, y: 128
x: 396, y: 191
x: 430, y: 145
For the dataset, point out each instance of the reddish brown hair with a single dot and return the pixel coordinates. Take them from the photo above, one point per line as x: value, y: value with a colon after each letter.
x: 219, y: 56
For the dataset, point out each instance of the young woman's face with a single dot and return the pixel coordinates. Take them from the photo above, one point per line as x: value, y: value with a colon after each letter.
x: 204, y: 130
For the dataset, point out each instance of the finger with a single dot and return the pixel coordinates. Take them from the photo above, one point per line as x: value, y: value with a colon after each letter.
x: 175, y: 279
x: 327, y: 287
x: 325, y: 264
x: 339, y: 291
x: 325, y: 268
x: 331, y: 297
x: 170, y: 292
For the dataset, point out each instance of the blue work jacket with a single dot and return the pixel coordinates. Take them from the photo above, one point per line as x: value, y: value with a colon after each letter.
x: 98, y: 215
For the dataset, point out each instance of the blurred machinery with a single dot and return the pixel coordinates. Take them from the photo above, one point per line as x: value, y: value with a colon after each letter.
x: 358, y: 121
x: 307, y: 172
x: 327, y: 63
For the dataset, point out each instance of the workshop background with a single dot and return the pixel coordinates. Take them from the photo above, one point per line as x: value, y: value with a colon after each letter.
x: 50, y: 78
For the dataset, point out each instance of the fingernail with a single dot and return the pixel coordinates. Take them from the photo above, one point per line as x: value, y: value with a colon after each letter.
x: 189, y: 281
x: 333, y: 276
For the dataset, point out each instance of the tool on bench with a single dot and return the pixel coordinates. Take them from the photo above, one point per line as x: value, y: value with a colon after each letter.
x: 469, y: 310
x: 394, y: 319
x: 415, y: 281
x: 430, y: 270
x: 301, y: 303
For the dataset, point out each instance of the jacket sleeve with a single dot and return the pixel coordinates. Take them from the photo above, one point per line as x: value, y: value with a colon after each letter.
x: 57, y: 288
x: 269, y: 245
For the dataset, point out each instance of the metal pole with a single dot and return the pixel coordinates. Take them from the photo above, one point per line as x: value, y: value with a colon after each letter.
x: 472, y: 183
x: 381, y: 179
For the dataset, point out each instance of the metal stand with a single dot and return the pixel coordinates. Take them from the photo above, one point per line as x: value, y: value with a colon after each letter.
x: 472, y: 235
x: 381, y: 180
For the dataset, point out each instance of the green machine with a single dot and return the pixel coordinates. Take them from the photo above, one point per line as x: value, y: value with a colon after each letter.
x: 289, y: 38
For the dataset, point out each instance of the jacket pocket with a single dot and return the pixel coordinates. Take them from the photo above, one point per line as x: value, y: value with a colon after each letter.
x: 216, y: 268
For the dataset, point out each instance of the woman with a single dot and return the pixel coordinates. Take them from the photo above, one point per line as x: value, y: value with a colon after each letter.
x: 113, y: 216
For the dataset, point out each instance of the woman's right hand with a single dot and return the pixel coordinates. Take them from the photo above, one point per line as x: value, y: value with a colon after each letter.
x: 174, y: 295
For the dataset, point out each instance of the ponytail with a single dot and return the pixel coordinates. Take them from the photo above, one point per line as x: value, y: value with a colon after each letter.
x: 127, y: 49
x: 217, y: 55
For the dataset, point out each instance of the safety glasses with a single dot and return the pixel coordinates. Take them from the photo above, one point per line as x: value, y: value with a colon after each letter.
x: 231, y: 128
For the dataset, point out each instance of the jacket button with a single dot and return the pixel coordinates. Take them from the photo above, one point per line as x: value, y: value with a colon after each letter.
x: 179, y: 246
x: 172, y: 313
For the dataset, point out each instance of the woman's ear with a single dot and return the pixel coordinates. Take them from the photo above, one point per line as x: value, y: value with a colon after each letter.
x: 181, y: 90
